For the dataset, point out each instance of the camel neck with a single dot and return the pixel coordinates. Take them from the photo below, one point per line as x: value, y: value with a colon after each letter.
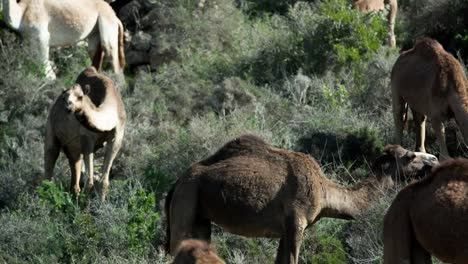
x: 349, y: 202
x: 12, y: 14
x: 98, y: 119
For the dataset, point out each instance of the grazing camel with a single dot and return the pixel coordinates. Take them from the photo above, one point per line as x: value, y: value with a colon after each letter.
x: 192, y: 251
x: 377, y: 5
x: 432, y: 83
x: 83, y: 117
x: 252, y: 189
x: 430, y: 217
x: 54, y: 23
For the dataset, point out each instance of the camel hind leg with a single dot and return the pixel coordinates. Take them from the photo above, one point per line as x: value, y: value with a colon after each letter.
x: 400, y: 115
x: 291, y: 240
x: 439, y: 129
x: 112, y: 148
x: 420, y: 130
x: 109, y: 38
x: 95, y: 51
x: 182, y: 214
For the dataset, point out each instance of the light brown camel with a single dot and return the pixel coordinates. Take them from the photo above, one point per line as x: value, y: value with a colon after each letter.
x: 432, y: 83
x: 252, y: 189
x: 377, y: 5
x: 53, y: 23
x: 430, y: 217
x: 192, y: 251
x: 83, y: 117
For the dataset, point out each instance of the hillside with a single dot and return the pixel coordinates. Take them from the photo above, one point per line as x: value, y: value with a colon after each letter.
x: 307, y: 76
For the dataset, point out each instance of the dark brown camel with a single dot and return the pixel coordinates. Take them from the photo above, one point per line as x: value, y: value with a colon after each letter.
x: 252, y: 189
x: 432, y: 83
x: 430, y: 217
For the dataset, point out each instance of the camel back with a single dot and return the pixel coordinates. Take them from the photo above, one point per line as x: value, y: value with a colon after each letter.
x: 244, y: 145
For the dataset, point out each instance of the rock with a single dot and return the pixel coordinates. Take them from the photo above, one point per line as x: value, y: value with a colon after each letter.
x: 141, y: 41
x: 135, y: 58
x: 232, y: 93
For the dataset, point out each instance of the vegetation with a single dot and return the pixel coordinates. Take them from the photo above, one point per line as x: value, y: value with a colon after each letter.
x: 309, y: 76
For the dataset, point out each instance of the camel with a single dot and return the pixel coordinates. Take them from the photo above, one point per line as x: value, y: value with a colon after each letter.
x: 252, y: 189
x: 54, y: 23
x: 432, y: 83
x: 377, y: 5
x: 82, y: 118
x: 430, y: 217
x: 192, y: 251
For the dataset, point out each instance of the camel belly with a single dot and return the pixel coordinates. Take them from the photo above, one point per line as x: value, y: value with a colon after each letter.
x: 70, y: 23
x: 245, y: 199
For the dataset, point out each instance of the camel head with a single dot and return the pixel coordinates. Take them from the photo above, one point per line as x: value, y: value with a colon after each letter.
x: 399, y: 163
x: 196, y: 251
x: 75, y: 98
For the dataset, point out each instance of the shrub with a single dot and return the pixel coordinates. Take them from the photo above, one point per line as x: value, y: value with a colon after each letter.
x: 60, y: 200
x: 448, y: 23
x: 142, y: 223
x: 341, y: 35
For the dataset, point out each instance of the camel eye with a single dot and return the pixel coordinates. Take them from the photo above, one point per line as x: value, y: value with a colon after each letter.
x: 80, y: 97
x: 17, y: 1
x: 410, y: 156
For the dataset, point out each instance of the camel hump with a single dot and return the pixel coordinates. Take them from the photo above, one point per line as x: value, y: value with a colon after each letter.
x: 242, y: 145
x: 99, y: 82
x: 428, y: 47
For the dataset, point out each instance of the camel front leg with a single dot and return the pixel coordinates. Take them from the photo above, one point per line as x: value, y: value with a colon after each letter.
x: 291, y: 240
x: 440, y: 132
x: 420, y: 130
x: 75, y: 166
x: 51, y: 153
x: 112, y: 149
x: 397, y: 235
x: 40, y: 42
x: 419, y: 255
x: 88, y: 156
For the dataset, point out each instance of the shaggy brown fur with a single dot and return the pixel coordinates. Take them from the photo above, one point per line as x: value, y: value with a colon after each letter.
x: 252, y: 189
x: 430, y: 217
x: 432, y: 83
x: 377, y: 5
x: 84, y: 117
x: 193, y: 251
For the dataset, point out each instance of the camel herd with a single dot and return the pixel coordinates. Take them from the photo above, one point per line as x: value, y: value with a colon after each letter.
x: 253, y: 189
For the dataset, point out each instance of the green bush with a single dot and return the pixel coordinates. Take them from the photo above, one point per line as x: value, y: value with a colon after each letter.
x: 142, y: 223
x: 341, y: 36
x: 59, y: 199
x: 329, y: 250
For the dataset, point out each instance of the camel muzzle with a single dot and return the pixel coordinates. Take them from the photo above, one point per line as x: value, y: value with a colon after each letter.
x: 429, y: 162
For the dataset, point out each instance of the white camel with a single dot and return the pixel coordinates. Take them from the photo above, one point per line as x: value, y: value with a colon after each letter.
x: 58, y: 23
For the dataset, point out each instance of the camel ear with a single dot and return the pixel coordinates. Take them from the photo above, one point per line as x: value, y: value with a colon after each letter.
x: 391, y: 150
x: 86, y: 89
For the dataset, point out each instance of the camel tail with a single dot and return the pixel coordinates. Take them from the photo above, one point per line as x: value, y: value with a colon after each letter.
x: 167, y: 205
x: 121, y: 46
